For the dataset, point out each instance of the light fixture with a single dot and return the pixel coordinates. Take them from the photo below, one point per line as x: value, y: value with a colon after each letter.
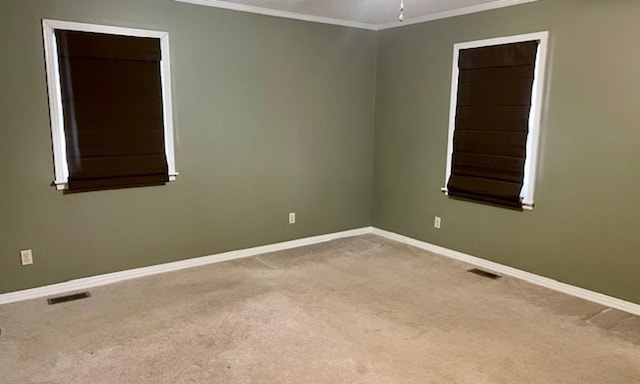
x: 401, y: 18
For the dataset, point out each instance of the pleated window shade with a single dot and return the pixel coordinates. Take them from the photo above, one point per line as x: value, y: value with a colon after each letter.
x: 113, y: 114
x: 495, y: 86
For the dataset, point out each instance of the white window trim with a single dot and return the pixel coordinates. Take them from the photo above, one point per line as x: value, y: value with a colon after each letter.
x: 55, y: 93
x: 533, y: 138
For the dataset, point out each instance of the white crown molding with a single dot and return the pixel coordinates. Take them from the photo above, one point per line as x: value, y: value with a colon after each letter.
x: 453, y: 13
x: 110, y: 278
x: 599, y: 298
x: 354, y: 24
x: 278, y: 13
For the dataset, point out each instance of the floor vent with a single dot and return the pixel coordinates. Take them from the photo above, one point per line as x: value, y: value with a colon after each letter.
x: 64, y: 299
x: 486, y: 274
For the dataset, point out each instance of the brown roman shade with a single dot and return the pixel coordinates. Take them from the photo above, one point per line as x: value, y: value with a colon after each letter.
x: 113, y: 115
x: 492, y: 122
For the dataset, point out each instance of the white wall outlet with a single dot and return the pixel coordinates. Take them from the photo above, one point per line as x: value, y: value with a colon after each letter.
x: 292, y: 218
x: 437, y: 221
x: 26, y: 257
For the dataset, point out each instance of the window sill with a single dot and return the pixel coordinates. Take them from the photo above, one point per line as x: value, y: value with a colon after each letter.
x: 525, y: 206
x: 61, y: 185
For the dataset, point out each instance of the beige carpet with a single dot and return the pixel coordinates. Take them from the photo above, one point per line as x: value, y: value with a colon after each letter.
x: 359, y: 310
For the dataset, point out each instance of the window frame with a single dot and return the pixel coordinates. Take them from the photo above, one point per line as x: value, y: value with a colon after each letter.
x: 535, y: 116
x: 61, y: 168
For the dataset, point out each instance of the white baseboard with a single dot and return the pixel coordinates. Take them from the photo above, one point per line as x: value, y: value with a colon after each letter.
x: 546, y: 282
x: 110, y: 278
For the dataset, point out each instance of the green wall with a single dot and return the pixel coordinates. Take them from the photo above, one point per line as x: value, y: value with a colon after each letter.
x: 275, y: 115
x: 585, y: 228
x: 271, y: 116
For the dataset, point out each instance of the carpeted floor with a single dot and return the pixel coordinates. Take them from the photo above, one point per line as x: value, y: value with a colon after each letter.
x: 358, y: 310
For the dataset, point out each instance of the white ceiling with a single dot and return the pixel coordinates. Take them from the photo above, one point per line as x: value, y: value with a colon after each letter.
x: 369, y: 14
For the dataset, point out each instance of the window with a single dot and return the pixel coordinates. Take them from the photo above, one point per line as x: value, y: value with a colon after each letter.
x: 494, y: 120
x: 110, y: 105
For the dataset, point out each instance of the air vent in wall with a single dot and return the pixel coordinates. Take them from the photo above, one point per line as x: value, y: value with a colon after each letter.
x: 67, y: 298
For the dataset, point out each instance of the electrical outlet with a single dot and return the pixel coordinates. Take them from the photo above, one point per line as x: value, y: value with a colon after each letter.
x: 292, y: 218
x: 437, y: 221
x: 26, y: 257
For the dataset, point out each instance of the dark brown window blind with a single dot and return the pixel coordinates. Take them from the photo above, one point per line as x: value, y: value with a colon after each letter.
x: 492, y: 122
x: 113, y: 113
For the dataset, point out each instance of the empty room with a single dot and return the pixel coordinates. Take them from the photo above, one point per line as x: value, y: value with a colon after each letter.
x: 319, y: 191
